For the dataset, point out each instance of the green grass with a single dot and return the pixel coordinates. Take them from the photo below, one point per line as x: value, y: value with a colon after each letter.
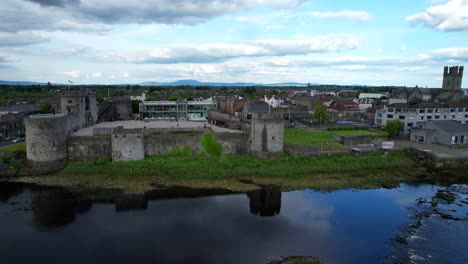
x: 234, y: 166
x: 15, y: 147
x: 322, y: 137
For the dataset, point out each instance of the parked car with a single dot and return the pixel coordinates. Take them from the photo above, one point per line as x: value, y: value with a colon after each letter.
x: 18, y: 139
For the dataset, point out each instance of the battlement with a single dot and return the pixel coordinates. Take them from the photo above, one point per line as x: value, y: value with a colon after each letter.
x: 453, y: 71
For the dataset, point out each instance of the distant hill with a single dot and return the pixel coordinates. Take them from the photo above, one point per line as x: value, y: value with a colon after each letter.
x: 187, y: 82
x: 198, y: 83
x: 19, y: 83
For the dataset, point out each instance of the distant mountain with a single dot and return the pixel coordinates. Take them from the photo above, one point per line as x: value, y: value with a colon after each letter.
x: 19, y: 83
x: 198, y: 83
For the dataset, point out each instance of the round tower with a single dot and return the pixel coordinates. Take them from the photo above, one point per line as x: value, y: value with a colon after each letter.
x: 46, y: 141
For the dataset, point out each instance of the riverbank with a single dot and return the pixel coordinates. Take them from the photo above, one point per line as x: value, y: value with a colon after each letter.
x: 244, y: 173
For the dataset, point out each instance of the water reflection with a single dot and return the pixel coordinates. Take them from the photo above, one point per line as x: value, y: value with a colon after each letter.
x: 55, y: 208
x: 340, y: 227
x: 9, y: 189
x: 265, y: 201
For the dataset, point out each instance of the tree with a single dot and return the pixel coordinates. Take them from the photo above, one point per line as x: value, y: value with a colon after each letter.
x: 46, y: 108
x: 321, y: 114
x: 394, y: 127
x: 136, y: 106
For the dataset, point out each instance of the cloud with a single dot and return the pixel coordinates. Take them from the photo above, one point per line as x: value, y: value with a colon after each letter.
x: 454, y: 54
x: 21, y: 39
x: 98, y: 15
x: 94, y: 75
x: 72, y: 74
x: 216, y: 52
x: 55, y: 2
x: 358, y: 16
x: 452, y: 16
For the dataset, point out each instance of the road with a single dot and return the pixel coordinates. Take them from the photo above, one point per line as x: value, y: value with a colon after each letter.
x: 6, y: 143
x: 438, y: 150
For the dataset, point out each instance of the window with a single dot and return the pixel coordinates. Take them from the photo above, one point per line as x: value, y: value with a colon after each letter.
x: 452, y: 110
x: 390, y: 109
x: 410, y: 124
x: 429, y: 117
x: 437, y: 110
x: 429, y: 111
x: 389, y: 116
x: 421, y: 117
x: 453, y: 116
x: 437, y: 117
x: 460, y: 110
x: 401, y: 117
x: 422, y: 111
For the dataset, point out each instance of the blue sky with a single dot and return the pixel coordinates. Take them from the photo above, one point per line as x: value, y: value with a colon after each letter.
x: 320, y: 41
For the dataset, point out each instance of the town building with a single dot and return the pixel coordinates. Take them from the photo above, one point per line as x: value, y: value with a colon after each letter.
x: 451, y: 89
x: 445, y: 132
x: 413, y: 115
x: 11, y: 126
x: 192, y: 110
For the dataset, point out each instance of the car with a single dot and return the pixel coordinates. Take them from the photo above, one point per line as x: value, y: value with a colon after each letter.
x: 18, y: 139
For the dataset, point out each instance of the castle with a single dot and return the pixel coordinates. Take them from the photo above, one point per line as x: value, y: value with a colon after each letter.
x: 80, y: 133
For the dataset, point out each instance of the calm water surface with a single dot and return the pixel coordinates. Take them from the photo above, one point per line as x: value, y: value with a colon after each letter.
x: 53, y: 226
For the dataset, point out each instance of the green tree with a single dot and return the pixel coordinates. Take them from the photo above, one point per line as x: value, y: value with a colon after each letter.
x: 211, y: 145
x: 136, y: 106
x: 394, y: 127
x: 321, y: 114
x: 46, y: 108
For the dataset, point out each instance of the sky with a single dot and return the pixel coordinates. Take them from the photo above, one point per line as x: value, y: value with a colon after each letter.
x: 365, y: 42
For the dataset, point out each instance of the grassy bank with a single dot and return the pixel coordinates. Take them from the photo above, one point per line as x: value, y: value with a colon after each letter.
x: 234, y: 166
x: 14, y: 147
x: 323, y: 137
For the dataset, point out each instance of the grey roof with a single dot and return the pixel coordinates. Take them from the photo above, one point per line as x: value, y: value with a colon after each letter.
x: 20, y: 108
x: 450, y: 126
x: 50, y: 100
x: 258, y: 107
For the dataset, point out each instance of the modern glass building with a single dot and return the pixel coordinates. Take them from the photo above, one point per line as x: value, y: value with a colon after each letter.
x: 192, y: 110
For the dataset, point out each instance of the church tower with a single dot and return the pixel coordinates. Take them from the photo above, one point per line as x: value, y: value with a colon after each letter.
x: 452, y: 78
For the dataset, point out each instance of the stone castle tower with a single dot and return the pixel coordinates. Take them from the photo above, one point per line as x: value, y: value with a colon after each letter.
x: 452, y: 78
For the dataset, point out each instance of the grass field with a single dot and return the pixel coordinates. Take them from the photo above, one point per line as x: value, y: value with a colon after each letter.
x: 322, y: 137
x: 232, y: 166
x: 15, y: 147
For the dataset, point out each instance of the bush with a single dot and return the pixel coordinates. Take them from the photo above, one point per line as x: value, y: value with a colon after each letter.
x: 102, y: 160
x: 211, y: 145
x: 185, y: 151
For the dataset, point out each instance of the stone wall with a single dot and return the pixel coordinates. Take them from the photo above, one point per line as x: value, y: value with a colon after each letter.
x: 128, y: 145
x: 89, y: 148
x: 267, y: 134
x: 160, y: 144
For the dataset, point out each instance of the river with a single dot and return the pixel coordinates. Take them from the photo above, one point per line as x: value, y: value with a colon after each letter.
x: 50, y: 225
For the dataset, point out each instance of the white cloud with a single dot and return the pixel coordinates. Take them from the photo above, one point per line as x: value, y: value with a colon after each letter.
x: 403, y: 48
x: 21, y: 39
x: 359, y: 16
x: 72, y: 74
x: 452, y: 16
x: 94, y: 75
x: 215, y: 52
x: 454, y: 54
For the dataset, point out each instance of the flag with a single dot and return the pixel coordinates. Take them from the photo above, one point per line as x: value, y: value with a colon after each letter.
x: 70, y: 81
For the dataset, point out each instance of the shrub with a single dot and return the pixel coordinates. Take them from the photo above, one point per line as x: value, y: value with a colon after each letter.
x: 102, y: 160
x: 211, y: 145
x: 176, y: 151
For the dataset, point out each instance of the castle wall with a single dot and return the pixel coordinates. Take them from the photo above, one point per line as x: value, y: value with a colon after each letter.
x: 46, y: 141
x: 266, y: 134
x: 452, y: 78
x: 128, y: 145
x: 160, y: 144
x: 73, y: 102
x: 89, y: 148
